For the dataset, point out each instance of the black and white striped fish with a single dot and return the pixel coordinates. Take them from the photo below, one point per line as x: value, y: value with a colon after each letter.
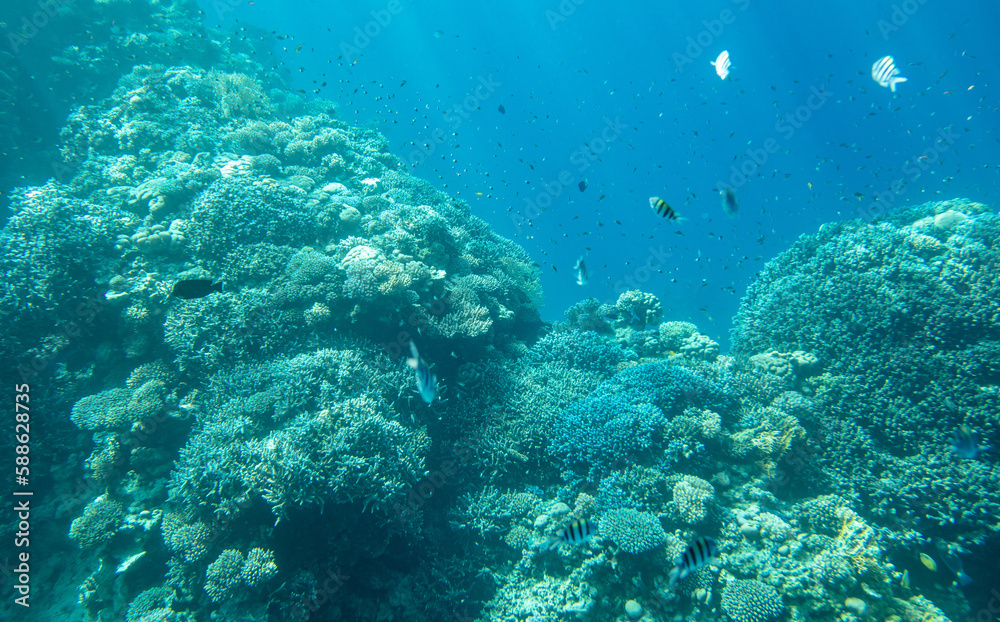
x: 426, y: 381
x: 577, y: 532
x: 662, y: 209
x: 884, y: 72
x: 701, y: 553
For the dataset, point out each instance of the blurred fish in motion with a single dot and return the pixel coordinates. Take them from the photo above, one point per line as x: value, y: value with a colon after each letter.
x: 577, y: 532
x: 950, y: 557
x: 722, y: 64
x: 701, y: 553
x: 195, y: 288
x: 884, y: 72
x: 965, y: 442
x: 662, y: 209
x: 928, y: 562
x: 729, y: 203
x: 582, y: 275
x: 426, y: 381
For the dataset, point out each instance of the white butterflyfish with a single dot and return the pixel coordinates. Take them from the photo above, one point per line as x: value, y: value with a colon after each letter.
x: 885, y: 72
x: 722, y: 64
x: 582, y: 275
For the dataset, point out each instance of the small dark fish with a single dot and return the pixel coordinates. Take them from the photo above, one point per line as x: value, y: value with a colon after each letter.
x: 426, y: 381
x: 662, y: 209
x: 729, y: 203
x: 965, y: 442
x: 577, y: 532
x: 195, y: 288
x: 583, y: 185
x: 502, y: 109
x: 701, y: 553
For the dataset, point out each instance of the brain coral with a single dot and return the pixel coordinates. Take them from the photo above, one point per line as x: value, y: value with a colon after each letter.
x: 905, y: 329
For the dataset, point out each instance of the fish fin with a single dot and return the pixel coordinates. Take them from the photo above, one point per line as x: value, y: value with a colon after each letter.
x: 674, y: 576
x: 893, y: 81
x: 413, y: 350
x: 412, y: 363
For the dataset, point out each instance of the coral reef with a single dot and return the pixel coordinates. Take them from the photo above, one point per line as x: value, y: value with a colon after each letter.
x: 902, y: 321
x: 262, y: 453
x: 632, y: 531
x: 751, y: 601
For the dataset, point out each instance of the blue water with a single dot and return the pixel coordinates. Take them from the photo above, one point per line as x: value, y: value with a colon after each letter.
x: 560, y: 74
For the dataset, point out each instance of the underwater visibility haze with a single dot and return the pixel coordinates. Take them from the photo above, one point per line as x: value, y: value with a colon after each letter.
x: 509, y: 312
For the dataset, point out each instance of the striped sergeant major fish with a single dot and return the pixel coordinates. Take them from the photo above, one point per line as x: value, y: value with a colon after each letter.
x: 426, y: 381
x: 701, y: 553
x: 577, y: 532
x: 662, y: 209
x: 884, y: 72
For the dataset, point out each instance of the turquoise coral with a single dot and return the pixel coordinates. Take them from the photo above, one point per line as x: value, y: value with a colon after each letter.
x: 632, y: 531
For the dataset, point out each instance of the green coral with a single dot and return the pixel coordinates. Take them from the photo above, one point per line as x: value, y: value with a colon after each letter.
x: 99, y: 523
x: 639, y: 308
x: 189, y: 541
x: 693, y: 497
x: 106, y: 410
x: 224, y: 575
x: 674, y: 334
x: 751, y: 601
x: 632, y: 531
x: 151, y: 605
x: 259, y: 567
